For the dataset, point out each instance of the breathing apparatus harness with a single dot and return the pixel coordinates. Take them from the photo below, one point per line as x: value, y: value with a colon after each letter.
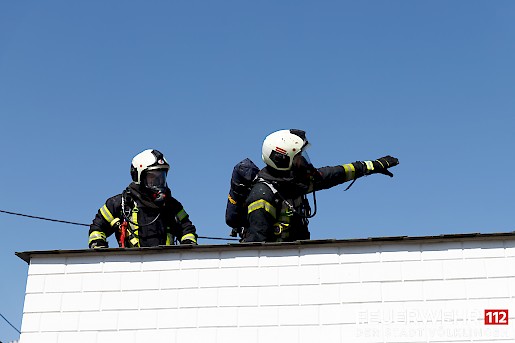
x: 126, y: 214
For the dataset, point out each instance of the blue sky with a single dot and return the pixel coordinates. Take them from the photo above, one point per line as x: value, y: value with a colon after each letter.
x: 84, y: 86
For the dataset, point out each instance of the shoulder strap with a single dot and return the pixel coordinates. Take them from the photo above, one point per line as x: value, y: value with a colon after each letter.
x: 275, y: 192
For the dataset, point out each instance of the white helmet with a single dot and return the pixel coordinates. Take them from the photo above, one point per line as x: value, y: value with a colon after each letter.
x: 147, y: 161
x: 280, y: 147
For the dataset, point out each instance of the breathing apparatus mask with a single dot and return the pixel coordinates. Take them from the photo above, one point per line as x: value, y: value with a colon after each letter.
x: 154, y: 181
x: 302, y: 168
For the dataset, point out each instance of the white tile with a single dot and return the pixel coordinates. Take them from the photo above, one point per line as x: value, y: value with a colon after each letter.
x: 422, y: 270
x: 142, y: 319
x: 325, y: 255
x: 460, y: 269
x: 200, y: 335
x: 98, y: 321
x: 116, y: 337
x: 39, y: 337
x: 218, y: 277
x: 119, y: 301
x: 161, y: 262
x: 106, y: 282
x: 84, y: 264
x: 238, y: 296
x: 122, y: 263
x: 360, y: 292
x: 400, y: 252
x: 278, y: 334
x: 488, y: 288
x: 47, y: 265
x: 299, y: 275
x: 381, y: 271
x: 199, y: 297
x: 200, y: 260
x: 35, y: 284
x: 258, y: 316
x: 402, y: 291
x: 283, y: 295
x: 177, y: 318
x: 319, y: 294
x: 58, y: 321
x: 155, y: 336
x: 87, y: 301
x: 315, y: 333
x: 339, y: 273
x: 78, y: 337
x: 239, y: 258
x: 298, y: 315
x: 444, y: 290
x: 280, y: 257
x: 266, y: 276
x: 166, y: 298
x: 339, y: 313
x: 139, y: 280
x: 217, y: 316
x: 187, y: 278
x: 42, y: 302
x: 500, y: 267
x: 56, y: 283
x: 360, y: 254
x: 235, y: 335
x: 30, y: 322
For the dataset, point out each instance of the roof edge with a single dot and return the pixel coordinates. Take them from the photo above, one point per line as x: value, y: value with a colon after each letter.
x: 26, y: 255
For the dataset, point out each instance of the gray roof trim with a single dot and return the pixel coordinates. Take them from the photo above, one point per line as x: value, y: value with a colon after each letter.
x: 27, y: 255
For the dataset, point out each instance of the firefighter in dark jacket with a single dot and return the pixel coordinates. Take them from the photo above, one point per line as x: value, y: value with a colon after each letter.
x: 278, y: 209
x: 145, y: 214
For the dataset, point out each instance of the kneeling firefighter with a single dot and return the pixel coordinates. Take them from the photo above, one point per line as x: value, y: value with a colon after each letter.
x: 278, y: 209
x: 145, y: 214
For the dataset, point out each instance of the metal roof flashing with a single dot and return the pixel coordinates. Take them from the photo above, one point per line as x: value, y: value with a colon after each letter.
x: 27, y: 255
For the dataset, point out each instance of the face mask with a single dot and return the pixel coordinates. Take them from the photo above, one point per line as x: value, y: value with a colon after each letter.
x: 155, y: 182
x: 302, y: 166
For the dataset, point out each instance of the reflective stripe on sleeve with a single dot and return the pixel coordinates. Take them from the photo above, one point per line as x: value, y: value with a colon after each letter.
x: 96, y: 235
x: 262, y: 204
x: 350, y: 171
x: 181, y: 214
x: 189, y: 236
x: 106, y: 214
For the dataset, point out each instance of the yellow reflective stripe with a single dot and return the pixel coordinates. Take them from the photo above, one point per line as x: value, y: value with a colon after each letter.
x: 231, y: 200
x: 181, y: 214
x: 189, y: 236
x: 96, y: 235
x: 169, y: 239
x: 135, y: 241
x: 370, y: 165
x: 350, y: 171
x: 106, y: 214
x: 262, y: 204
x: 115, y: 220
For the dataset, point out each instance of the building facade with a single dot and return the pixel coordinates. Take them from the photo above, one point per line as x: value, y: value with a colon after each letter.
x: 454, y: 288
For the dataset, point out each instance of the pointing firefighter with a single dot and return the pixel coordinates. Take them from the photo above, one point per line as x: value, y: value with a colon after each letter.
x: 278, y: 209
x: 145, y: 213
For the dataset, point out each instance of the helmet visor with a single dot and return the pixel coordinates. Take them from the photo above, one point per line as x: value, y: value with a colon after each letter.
x: 302, y: 161
x: 155, y: 179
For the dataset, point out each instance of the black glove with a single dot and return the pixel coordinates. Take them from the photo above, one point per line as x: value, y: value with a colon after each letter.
x: 98, y: 243
x: 381, y: 165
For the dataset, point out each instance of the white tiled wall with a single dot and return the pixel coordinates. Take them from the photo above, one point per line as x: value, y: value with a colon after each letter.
x: 402, y: 292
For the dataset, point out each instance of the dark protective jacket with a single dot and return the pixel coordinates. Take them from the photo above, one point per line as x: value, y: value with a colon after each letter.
x: 147, y: 224
x: 278, y: 206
